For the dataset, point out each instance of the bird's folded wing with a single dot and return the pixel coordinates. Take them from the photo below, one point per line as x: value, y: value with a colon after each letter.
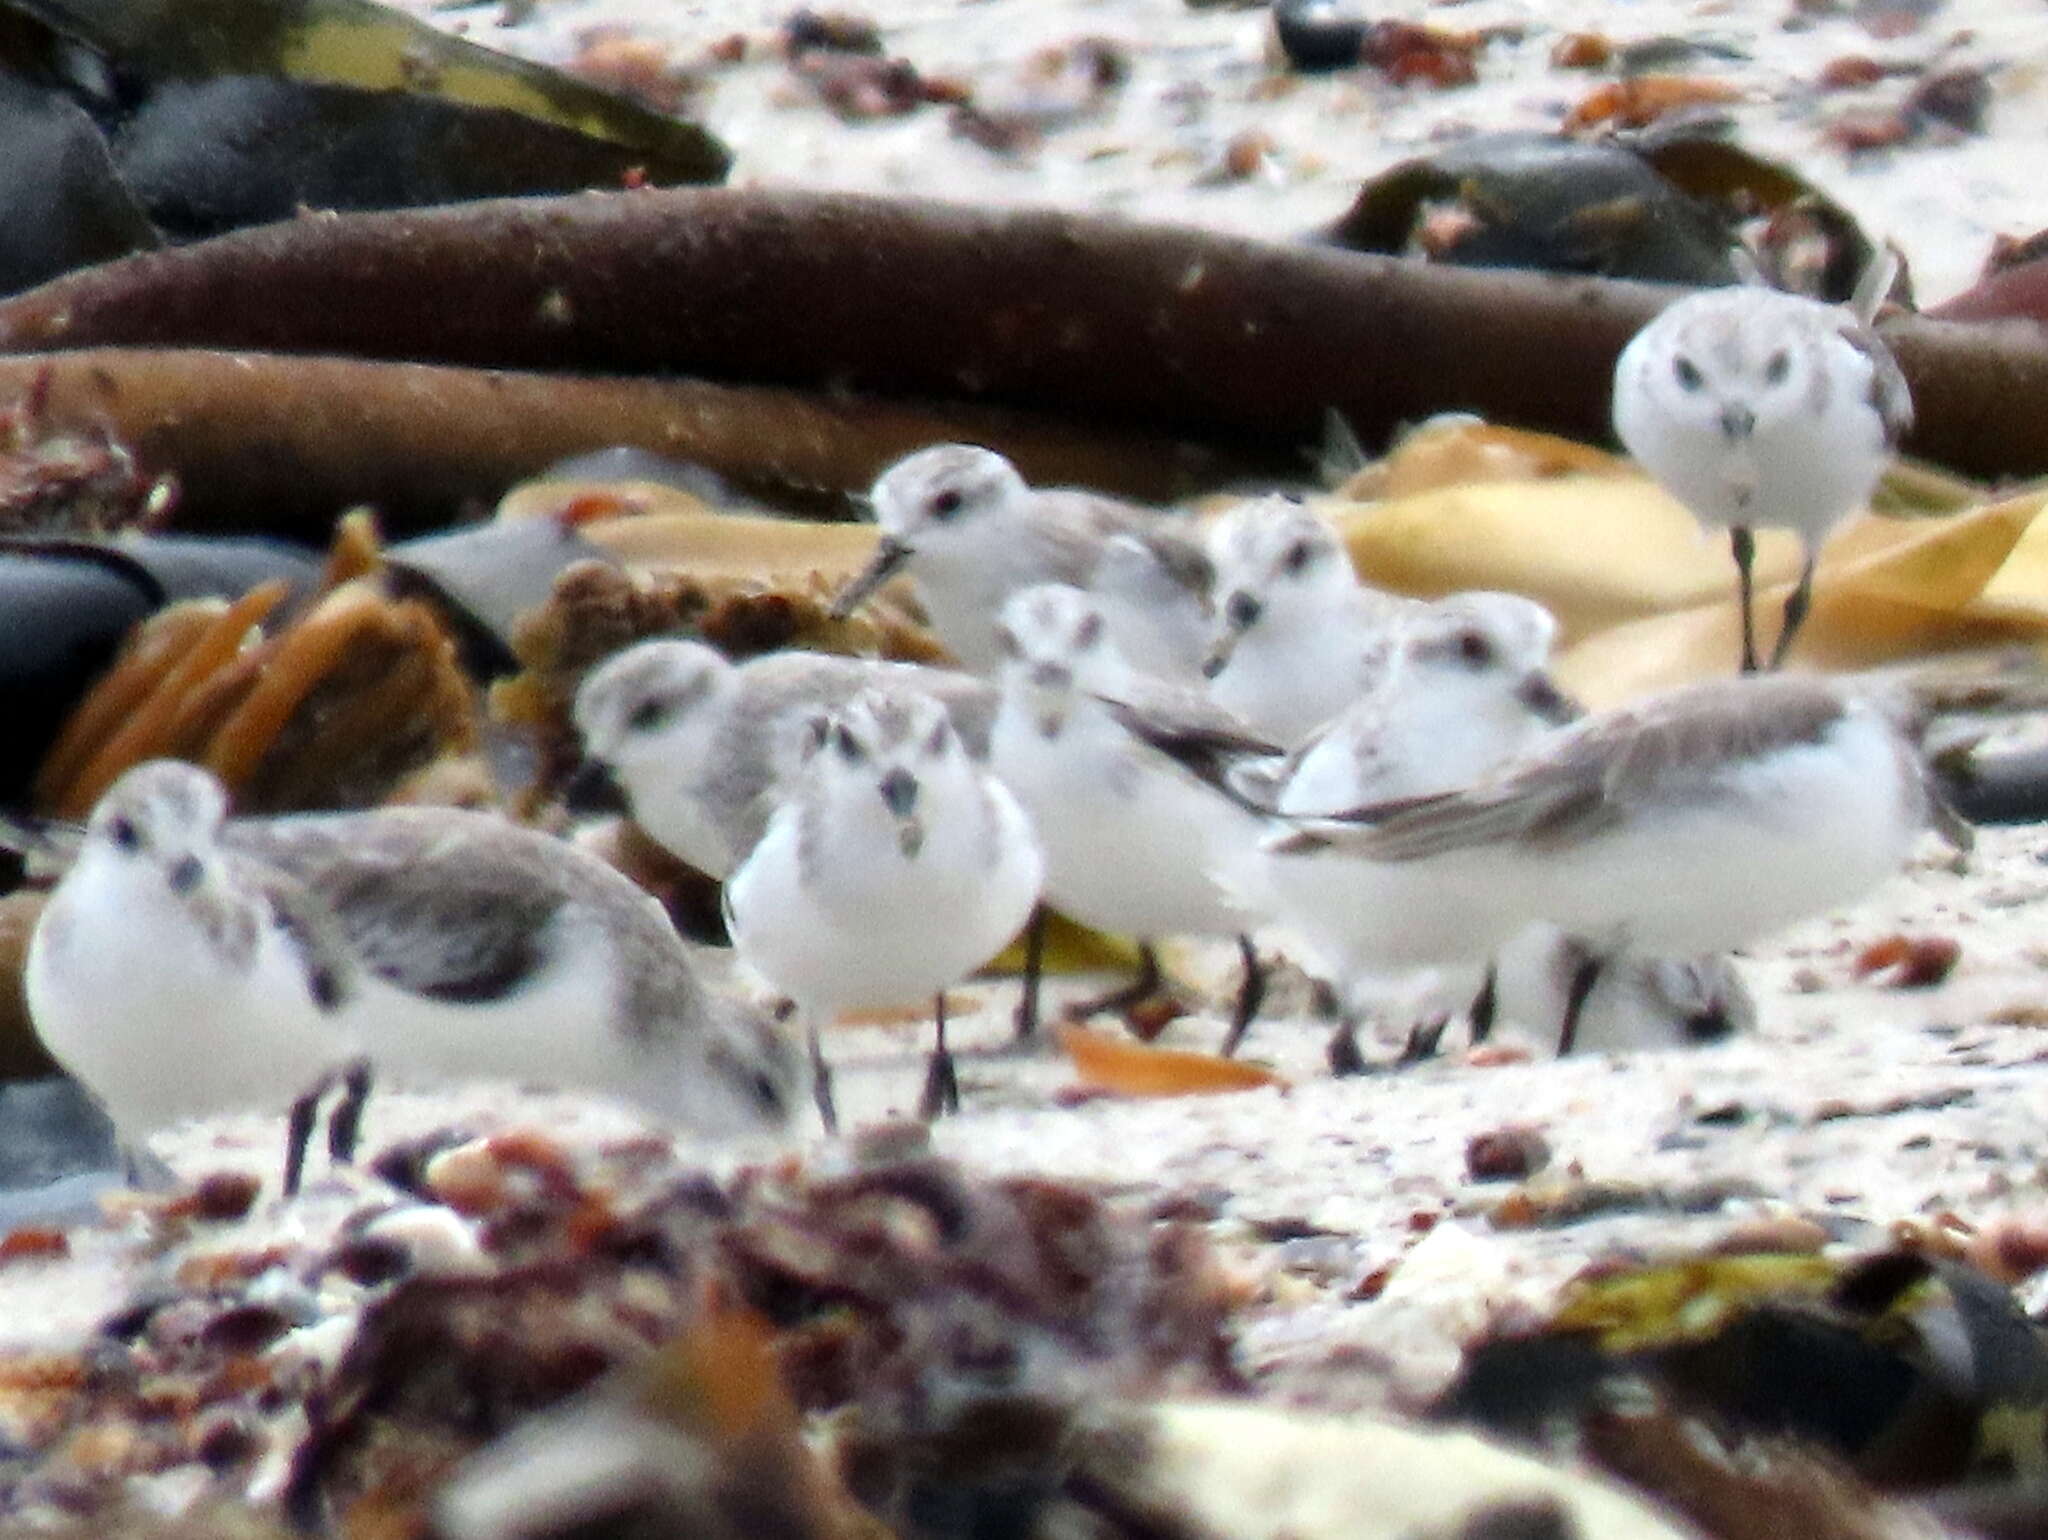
x: 457, y: 922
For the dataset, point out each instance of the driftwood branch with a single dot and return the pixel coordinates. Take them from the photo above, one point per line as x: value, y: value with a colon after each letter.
x: 1156, y: 328
x: 277, y: 443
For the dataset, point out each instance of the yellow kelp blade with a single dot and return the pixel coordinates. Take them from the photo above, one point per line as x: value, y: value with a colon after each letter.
x: 1597, y: 551
x: 1887, y: 590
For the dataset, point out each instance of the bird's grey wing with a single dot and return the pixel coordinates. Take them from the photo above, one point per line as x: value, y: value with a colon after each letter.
x: 47, y: 846
x: 461, y: 919
x: 743, y: 778
x: 1672, y: 751
x: 1183, y: 559
x: 1196, y: 734
x: 309, y: 928
x: 971, y: 702
x: 1168, y: 716
x: 1179, y: 556
x: 1889, y: 395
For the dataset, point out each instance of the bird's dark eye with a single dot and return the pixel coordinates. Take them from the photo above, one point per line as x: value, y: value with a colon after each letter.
x: 947, y: 503
x: 1688, y: 373
x: 124, y: 834
x: 767, y: 1094
x: 1474, y: 648
x: 1299, y: 555
x: 649, y: 715
x: 848, y: 746
x: 1777, y: 367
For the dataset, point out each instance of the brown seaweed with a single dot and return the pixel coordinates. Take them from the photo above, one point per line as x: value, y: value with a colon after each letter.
x: 1150, y: 327
x: 282, y: 444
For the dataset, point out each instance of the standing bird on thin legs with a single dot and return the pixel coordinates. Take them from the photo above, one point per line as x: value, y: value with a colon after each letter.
x: 1761, y: 409
x: 896, y: 866
x: 1130, y: 838
x: 1444, y: 696
x: 1689, y: 823
x: 191, y: 961
x: 173, y: 981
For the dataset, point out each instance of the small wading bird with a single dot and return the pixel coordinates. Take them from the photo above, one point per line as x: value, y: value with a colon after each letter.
x: 896, y: 866
x: 189, y: 962
x: 1761, y: 409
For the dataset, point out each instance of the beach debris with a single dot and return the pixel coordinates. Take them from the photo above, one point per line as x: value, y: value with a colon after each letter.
x: 1909, y: 962
x: 1121, y: 1067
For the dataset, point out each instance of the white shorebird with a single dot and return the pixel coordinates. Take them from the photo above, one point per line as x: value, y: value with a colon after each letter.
x: 896, y: 866
x: 1760, y: 409
x: 1638, y: 1002
x: 970, y: 532
x: 448, y: 944
x: 174, y: 982
x: 1292, y: 618
x: 1443, y: 697
x: 1130, y: 838
x: 1691, y: 823
x: 700, y: 746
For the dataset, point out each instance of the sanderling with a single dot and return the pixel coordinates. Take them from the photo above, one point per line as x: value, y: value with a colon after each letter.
x: 896, y: 865
x: 1638, y: 1002
x: 175, y: 982
x: 451, y: 945
x: 491, y: 951
x: 971, y: 532
x: 1292, y: 619
x: 1686, y: 824
x: 1446, y: 694
x: 700, y: 746
x: 1757, y: 408
x: 1130, y: 838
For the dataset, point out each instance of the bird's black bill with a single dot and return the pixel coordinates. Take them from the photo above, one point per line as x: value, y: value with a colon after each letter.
x: 1539, y: 692
x: 888, y: 559
x: 595, y: 789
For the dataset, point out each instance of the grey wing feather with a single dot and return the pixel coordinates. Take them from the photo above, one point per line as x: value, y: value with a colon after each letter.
x: 1182, y: 558
x: 1166, y: 717
x: 1671, y: 750
x: 1201, y: 737
x: 47, y: 846
x: 1889, y: 393
x: 453, y: 918
x: 309, y: 927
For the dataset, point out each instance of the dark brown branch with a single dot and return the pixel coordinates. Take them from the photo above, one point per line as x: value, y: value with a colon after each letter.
x: 262, y: 441
x: 1172, y: 330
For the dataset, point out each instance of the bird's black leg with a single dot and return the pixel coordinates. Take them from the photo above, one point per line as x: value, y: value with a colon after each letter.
x: 298, y: 1134
x: 346, y: 1126
x: 1584, y: 977
x: 1343, y: 1053
x: 1034, y: 970
x: 1249, y: 995
x: 1425, y: 1037
x: 1796, y: 606
x: 1743, y: 544
x: 1143, y: 987
x: 941, y: 1084
x: 821, y: 1076
x: 1485, y: 1005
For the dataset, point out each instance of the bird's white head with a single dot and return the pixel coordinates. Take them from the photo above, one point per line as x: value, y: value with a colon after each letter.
x: 648, y: 710
x: 1274, y: 558
x: 1485, y: 653
x: 876, y: 759
x: 167, y: 814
